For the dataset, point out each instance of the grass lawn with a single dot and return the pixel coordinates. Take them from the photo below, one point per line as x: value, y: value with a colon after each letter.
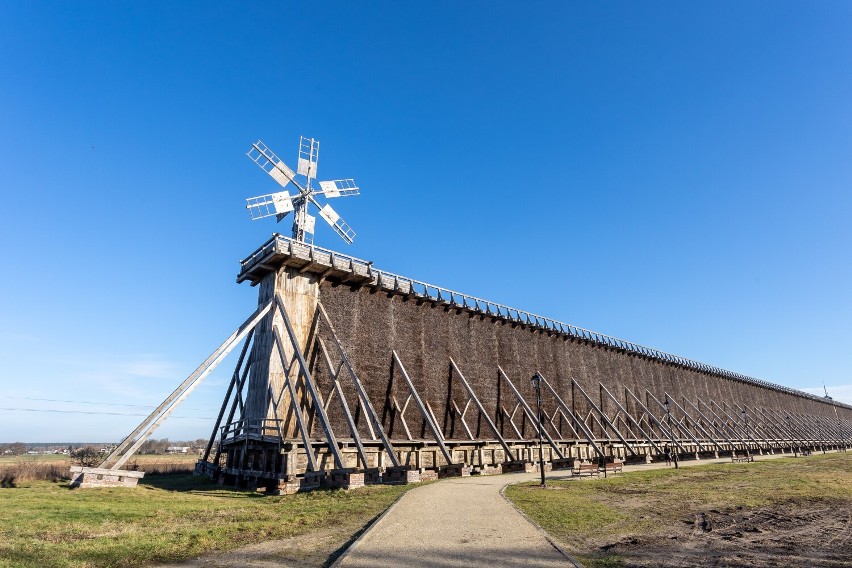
x: 737, y: 514
x: 166, y: 518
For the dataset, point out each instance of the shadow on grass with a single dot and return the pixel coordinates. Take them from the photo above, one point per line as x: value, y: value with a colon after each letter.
x: 188, y: 483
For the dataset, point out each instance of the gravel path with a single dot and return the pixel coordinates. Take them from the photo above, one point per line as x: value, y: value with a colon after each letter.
x: 457, y: 522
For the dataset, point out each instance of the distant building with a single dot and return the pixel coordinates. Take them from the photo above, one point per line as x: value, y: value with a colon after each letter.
x: 178, y: 449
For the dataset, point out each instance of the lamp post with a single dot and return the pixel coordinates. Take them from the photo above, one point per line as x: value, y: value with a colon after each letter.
x: 667, y: 404
x: 535, y: 381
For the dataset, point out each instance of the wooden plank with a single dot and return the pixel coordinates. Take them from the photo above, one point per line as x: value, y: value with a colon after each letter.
x: 234, y: 380
x: 294, y: 403
x: 362, y: 393
x: 309, y: 383
x: 589, y: 436
x: 353, y: 429
x: 153, y: 421
x: 529, y: 414
x: 482, y: 411
x: 433, y: 426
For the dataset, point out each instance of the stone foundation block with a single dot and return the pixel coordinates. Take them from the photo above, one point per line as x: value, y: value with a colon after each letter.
x: 454, y: 470
x: 428, y: 474
x: 518, y: 467
x: 372, y: 476
x: 343, y: 479
x: 401, y: 475
x: 637, y: 459
x: 562, y: 463
x: 90, y: 477
x: 312, y: 480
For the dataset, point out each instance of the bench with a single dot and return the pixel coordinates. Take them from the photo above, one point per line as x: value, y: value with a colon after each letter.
x: 614, y: 467
x: 742, y: 459
x: 587, y: 469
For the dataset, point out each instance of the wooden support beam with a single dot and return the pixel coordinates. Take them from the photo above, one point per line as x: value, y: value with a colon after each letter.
x: 630, y: 418
x: 663, y: 429
x: 529, y: 414
x: 430, y: 421
x: 472, y: 397
x: 238, y: 396
x: 312, y: 389
x: 604, y: 418
x: 359, y: 387
x: 588, y: 433
x: 680, y: 426
x: 153, y: 421
x: 344, y: 405
x: 294, y: 403
x: 235, y: 379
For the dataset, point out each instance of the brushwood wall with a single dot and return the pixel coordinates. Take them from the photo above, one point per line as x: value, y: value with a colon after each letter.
x: 372, y: 323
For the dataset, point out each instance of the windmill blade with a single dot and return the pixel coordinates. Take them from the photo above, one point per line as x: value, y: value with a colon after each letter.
x: 272, y: 164
x: 339, y: 188
x: 331, y: 217
x: 278, y: 204
x: 308, y: 157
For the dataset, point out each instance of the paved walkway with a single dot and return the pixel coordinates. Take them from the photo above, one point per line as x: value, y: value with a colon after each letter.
x: 455, y: 522
x: 465, y: 522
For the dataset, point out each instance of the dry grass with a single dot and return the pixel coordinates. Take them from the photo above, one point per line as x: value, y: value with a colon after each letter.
x: 18, y: 469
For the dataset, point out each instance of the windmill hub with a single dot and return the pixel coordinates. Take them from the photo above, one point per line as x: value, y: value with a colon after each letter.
x: 282, y: 203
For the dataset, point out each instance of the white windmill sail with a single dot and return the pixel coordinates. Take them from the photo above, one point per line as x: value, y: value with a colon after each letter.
x: 282, y: 203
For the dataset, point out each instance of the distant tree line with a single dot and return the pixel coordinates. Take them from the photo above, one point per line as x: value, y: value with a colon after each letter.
x: 149, y: 447
x: 15, y: 448
x: 161, y: 446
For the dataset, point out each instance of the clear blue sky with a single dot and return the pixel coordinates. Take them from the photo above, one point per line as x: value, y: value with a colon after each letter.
x: 675, y: 175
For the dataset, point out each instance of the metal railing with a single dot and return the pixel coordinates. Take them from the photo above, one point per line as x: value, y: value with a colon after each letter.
x: 411, y: 287
x: 246, y: 427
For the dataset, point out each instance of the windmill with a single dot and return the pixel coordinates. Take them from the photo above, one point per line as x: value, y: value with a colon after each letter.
x: 282, y: 203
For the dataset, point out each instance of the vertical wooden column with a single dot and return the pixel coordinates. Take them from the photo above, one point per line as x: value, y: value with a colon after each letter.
x: 300, y: 294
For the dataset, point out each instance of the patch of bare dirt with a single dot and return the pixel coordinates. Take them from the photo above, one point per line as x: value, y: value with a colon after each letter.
x: 795, y: 534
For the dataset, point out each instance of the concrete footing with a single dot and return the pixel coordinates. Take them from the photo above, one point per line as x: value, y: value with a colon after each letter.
x: 454, y: 470
x: 562, y: 463
x: 88, y: 477
x: 637, y: 459
x: 343, y: 479
x: 401, y: 475
x: 517, y: 467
